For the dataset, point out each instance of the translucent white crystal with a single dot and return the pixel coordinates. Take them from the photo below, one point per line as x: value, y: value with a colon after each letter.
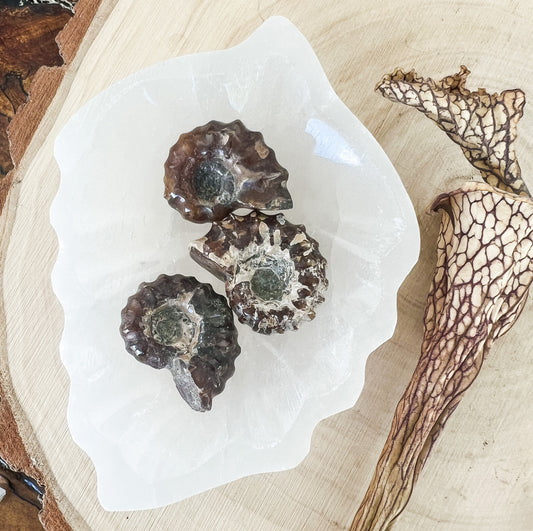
x: 116, y: 230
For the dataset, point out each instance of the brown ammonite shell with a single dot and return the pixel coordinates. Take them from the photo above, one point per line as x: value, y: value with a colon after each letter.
x: 178, y: 323
x: 273, y: 271
x: 220, y: 167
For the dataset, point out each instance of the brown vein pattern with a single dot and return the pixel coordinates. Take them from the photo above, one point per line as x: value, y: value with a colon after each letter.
x: 481, y: 281
x: 484, y: 270
x: 483, y: 124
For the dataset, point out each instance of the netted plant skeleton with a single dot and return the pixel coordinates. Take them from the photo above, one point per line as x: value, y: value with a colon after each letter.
x: 483, y: 124
x: 480, y: 286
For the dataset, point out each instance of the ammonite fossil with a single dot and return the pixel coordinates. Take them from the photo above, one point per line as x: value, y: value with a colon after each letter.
x: 218, y: 168
x: 274, y: 273
x: 178, y: 323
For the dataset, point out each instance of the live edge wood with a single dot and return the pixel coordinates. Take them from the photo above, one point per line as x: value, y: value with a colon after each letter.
x: 479, y: 475
x: 27, y: 43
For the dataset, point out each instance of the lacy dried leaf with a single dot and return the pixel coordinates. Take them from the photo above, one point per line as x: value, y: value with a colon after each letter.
x: 483, y: 124
x: 483, y: 274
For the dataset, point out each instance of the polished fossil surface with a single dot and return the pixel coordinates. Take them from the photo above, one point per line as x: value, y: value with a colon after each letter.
x: 179, y: 323
x: 220, y: 167
x: 274, y: 273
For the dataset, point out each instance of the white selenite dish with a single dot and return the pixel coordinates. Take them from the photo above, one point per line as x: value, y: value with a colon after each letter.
x: 116, y: 230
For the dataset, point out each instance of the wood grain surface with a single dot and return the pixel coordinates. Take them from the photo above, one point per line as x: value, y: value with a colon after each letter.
x: 480, y: 474
x: 28, y: 34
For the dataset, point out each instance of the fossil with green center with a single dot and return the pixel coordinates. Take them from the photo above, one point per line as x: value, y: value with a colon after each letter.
x: 219, y: 167
x: 274, y: 273
x: 178, y: 323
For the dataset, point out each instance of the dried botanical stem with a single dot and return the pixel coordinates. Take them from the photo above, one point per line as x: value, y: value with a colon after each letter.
x: 483, y: 124
x: 484, y: 270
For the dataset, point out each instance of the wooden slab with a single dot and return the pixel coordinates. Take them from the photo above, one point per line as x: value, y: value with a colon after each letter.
x: 28, y: 42
x: 480, y: 475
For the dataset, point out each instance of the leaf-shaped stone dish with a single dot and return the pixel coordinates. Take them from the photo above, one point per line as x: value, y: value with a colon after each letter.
x: 116, y: 230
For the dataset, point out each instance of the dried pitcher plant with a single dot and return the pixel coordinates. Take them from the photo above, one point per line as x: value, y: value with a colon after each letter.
x: 483, y: 274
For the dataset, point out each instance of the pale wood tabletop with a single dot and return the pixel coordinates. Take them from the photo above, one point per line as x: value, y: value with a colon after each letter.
x: 480, y: 474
